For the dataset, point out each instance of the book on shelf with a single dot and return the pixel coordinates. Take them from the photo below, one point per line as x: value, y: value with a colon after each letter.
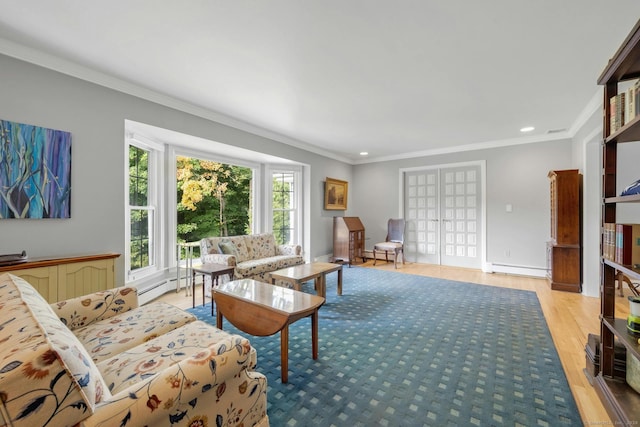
x: 630, y: 104
x: 627, y: 244
x: 608, y: 241
x: 624, y: 107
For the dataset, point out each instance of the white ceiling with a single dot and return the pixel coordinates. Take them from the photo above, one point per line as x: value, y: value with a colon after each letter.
x: 393, y: 78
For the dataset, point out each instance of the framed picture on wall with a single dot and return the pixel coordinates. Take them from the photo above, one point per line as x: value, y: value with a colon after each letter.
x: 35, y: 171
x: 335, y: 194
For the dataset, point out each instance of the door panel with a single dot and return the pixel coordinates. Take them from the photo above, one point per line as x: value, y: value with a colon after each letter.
x: 461, y: 198
x: 443, y: 215
x: 421, y: 216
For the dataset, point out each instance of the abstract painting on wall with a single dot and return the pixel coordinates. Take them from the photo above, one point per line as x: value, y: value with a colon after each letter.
x: 35, y: 171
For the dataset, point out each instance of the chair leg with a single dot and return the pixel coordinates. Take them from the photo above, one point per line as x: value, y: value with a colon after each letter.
x: 374, y: 255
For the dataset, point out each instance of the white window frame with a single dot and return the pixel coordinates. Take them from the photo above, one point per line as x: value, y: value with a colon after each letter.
x: 297, y: 232
x: 155, y: 206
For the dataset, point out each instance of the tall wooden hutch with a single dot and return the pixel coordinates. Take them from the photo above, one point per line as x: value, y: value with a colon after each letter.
x: 564, y: 250
x: 620, y: 400
x: 348, y: 239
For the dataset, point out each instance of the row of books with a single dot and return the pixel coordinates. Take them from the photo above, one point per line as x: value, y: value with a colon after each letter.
x: 621, y: 243
x: 624, y: 107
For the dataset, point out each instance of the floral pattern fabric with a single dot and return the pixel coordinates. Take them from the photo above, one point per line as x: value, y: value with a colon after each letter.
x: 114, y: 335
x: 46, y: 376
x: 193, y: 374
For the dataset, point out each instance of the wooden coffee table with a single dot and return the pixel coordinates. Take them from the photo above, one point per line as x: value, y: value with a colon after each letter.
x: 317, y: 271
x: 213, y: 270
x: 262, y: 310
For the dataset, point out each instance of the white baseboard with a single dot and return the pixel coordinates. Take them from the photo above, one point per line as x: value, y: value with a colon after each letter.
x: 517, y: 270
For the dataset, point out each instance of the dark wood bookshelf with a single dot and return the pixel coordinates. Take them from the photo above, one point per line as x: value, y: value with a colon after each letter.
x: 621, y: 400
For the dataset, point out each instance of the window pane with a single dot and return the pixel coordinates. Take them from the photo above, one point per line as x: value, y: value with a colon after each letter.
x: 138, y: 176
x: 214, y: 199
x: 283, y: 207
x: 140, y: 239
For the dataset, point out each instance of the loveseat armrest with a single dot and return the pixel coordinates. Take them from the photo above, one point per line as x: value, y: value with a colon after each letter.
x: 213, y: 385
x: 224, y: 259
x: 84, y: 310
x: 289, y: 250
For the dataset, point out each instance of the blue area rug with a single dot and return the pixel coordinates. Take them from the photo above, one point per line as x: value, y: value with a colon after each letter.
x: 405, y: 350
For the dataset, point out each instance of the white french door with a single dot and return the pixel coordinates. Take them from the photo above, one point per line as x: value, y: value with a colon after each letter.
x: 443, y: 213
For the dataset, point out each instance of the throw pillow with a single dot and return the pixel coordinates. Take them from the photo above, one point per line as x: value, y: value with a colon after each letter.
x: 227, y: 248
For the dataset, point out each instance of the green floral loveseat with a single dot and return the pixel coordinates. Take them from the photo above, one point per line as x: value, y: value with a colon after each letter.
x: 102, y: 360
x: 254, y: 256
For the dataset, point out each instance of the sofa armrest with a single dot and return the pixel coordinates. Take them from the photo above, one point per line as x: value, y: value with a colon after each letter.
x: 223, y: 259
x: 289, y: 250
x: 214, y: 383
x: 84, y: 310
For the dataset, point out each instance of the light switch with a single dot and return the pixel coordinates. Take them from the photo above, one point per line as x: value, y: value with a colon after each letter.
x: 509, y: 207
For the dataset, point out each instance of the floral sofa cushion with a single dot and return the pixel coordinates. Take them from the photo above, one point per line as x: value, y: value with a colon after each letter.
x: 185, y: 372
x: 46, y: 375
x: 239, y: 247
x: 263, y: 245
x: 263, y: 267
x: 194, y: 342
x: 121, y: 332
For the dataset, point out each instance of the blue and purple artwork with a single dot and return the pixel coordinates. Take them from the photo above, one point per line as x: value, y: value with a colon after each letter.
x: 35, y: 171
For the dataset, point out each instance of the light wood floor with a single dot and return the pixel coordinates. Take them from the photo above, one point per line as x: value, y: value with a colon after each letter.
x: 570, y: 318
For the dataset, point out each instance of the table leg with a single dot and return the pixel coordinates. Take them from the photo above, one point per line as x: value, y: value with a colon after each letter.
x: 219, y: 320
x: 322, y: 285
x: 284, y: 354
x: 178, y: 253
x: 203, y: 287
x: 340, y: 281
x: 314, y: 334
x: 190, y: 281
x: 193, y: 295
x: 212, y: 285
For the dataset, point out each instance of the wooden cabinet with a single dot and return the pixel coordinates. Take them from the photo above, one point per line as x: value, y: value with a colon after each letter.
x: 61, y: 278
x: 348, y: 239
x: 564, y: 253
x: 620, y: 400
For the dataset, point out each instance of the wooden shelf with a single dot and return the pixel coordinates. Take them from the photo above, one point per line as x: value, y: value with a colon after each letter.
x: 619, y: 399
x: 623, y: 199
x: 630, y: 132
x: 633, y: 273
x: 619, y: 328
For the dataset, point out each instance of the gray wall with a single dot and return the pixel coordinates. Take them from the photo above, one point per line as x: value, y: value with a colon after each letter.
x: 516, y: 175
x: 95, y: 117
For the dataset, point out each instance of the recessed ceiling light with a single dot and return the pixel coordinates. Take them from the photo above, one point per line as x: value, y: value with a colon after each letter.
x: 364, y: 153
x: 527, y: 129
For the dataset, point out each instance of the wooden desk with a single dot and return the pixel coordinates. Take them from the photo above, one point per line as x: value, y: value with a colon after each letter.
x: 213, y: 270
x: 262, y: 309
x: 317, y: 271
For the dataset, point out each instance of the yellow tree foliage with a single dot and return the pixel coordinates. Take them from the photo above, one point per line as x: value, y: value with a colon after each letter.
x: 206, y: 183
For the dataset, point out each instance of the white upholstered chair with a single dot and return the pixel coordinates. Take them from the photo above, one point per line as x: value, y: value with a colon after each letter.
x: 393, y: 243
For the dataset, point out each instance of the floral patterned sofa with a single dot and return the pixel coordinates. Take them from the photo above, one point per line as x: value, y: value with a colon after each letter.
x: 102, y: 360
x: 254, y: 256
